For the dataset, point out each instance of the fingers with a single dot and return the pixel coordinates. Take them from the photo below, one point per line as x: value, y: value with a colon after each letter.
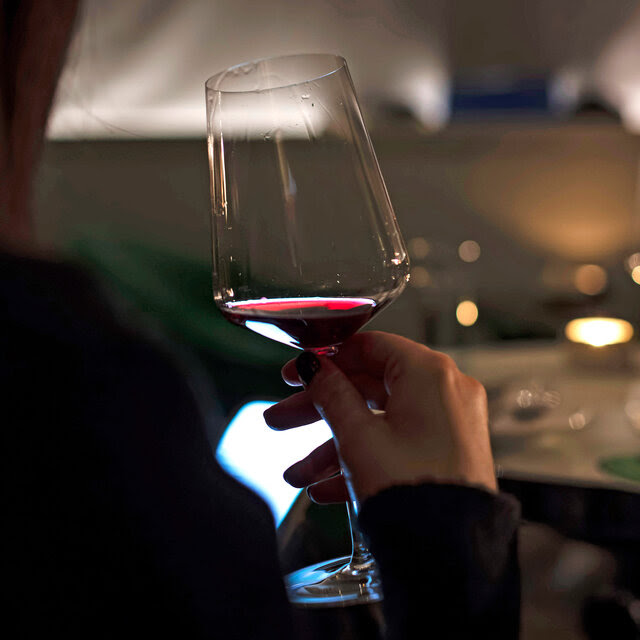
x: 335, y: 397
x: 366, y: 352
x: 329, y: 491
x: 294, y: 411
x: 371, y: 389
x: 434, y: 425
x: 290, y: 374
x: 298, y: 409
x: 320, y: 464
x: 371, y: 351
x: 320, y: 473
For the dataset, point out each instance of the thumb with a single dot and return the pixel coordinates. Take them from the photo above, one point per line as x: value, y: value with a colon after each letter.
x: 336, y: 399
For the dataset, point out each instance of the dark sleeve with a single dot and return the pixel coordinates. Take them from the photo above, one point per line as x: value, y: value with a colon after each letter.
x: 448, y: 558
x: 209, y: 541
x: 119, y: 521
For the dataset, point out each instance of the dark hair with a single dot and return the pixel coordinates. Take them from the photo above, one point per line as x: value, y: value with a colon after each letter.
x: 34, y: 35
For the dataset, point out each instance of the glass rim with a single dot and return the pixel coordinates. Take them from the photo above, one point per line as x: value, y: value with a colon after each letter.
x: 341, y: 63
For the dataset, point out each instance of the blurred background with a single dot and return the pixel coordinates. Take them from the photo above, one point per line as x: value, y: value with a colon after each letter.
x: 508, y: 132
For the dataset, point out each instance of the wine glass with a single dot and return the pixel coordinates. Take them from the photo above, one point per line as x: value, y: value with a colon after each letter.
x: 306, y: 247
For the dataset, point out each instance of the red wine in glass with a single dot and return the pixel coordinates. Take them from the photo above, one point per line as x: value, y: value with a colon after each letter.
x: 315, y: 324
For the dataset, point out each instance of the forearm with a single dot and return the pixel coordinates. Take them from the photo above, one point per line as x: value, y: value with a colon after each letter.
x: 448, y: 557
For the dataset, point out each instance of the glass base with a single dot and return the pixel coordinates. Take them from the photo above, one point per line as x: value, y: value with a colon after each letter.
x: 335, y: 583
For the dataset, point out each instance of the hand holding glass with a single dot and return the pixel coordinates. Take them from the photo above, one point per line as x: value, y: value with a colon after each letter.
x: 306, y: 248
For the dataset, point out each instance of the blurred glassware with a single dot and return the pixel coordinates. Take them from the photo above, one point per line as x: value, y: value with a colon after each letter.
x: 627, y: 465
x: 632, y: 261
x: 444, y: 284
x: 530, y: 406
x: 632, y: 407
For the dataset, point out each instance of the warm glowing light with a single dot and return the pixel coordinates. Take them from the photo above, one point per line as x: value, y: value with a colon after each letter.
x: 420, y: 277
x: 632, y: 262
x: 426, y: 91
x: 419, y: 248
x: 590, y: 279
x: 599, y: 332
x: 469, y: 251
x: 630, y: 110
x: 467, y: 313
x: 635, y: 274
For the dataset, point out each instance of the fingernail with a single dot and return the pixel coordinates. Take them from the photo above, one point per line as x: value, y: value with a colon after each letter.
x: 307, y: 365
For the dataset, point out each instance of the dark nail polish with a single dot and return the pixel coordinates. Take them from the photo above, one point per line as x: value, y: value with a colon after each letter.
x: 307, y: 365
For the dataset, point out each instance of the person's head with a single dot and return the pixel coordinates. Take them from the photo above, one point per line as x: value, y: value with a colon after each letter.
x: 34, y: 35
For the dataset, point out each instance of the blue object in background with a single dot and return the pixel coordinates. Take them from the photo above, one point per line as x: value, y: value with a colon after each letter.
x: 257, y: 456
x: 525, y: 95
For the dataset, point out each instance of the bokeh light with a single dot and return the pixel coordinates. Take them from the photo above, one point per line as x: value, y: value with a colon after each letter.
x: 469, y: 251
x: 590, y: 279
x: 420, y: 277
x: 467, y: 313
x: 419, y: 248
x: 599, y: 332
x: 632, y: 262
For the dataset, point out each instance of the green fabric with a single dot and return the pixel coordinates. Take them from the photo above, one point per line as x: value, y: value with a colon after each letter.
x: 627, y: 467
x: 175, y: 291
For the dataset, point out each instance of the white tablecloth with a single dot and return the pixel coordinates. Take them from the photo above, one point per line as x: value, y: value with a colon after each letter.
x: 547, y: 449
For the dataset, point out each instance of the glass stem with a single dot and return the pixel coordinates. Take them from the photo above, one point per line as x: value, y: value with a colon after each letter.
x: 360, y: 554
x: 361, y: 558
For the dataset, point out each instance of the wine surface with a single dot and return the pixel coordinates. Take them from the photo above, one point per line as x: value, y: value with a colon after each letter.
x: 306, y: 323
